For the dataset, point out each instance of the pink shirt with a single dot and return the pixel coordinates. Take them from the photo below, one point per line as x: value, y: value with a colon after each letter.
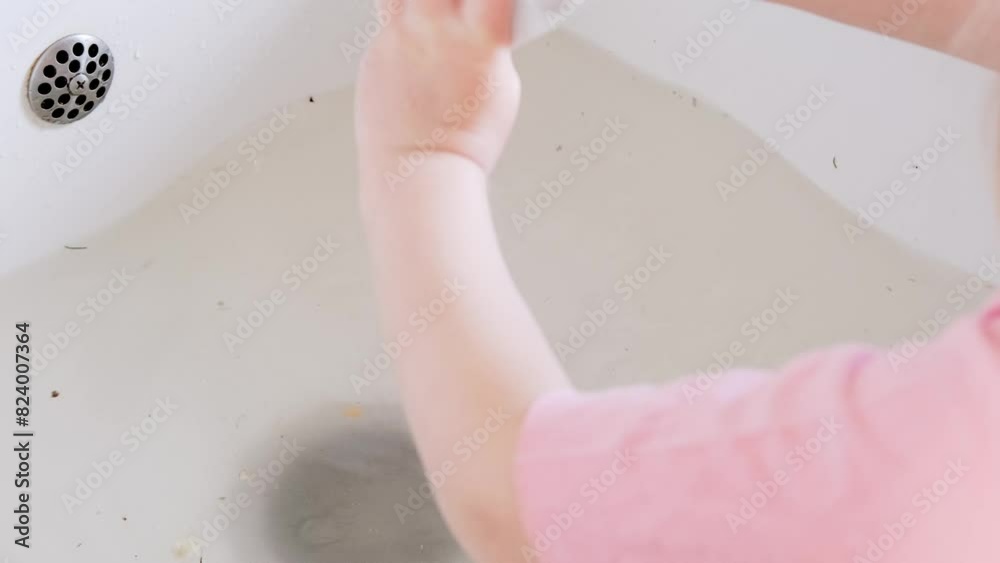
x: 850, y: 455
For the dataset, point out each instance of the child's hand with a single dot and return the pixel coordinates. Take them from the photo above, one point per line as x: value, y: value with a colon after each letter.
x: 437, y: 80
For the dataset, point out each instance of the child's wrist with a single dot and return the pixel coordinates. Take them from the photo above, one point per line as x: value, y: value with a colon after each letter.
x: 397, y: 165
x: 388, y: 178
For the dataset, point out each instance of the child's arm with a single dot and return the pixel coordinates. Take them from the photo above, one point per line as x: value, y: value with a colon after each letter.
x: 474, y: 358
x: 963, y: 28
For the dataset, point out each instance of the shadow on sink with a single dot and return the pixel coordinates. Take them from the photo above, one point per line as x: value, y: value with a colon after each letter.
x: 344, y: 499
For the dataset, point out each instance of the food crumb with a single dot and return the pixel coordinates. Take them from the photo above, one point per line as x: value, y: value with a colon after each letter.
x: 354, y: 411
x: 55, y: 394
x: 186, y: 547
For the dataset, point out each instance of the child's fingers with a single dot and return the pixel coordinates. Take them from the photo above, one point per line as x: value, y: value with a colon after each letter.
x: 434, y: 7
x: 496, y: 17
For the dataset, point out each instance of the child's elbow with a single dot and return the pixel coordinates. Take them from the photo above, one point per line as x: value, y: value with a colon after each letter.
x: 489, y: 532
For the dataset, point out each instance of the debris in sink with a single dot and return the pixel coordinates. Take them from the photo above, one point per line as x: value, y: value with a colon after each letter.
x: 186, y: 547
x: 68, y: 247
x: 354, y: 411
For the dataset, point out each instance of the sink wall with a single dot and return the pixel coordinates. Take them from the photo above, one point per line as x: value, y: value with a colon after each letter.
x: 212, y: 66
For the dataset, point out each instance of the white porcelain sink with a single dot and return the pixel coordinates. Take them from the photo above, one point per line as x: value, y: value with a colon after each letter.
x: 202, y: 344
x: 222, y: 63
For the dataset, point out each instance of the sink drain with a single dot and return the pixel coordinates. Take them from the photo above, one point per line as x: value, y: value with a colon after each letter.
x: 71, y: 78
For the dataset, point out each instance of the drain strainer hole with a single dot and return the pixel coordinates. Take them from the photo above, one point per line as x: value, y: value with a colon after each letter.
x: 61, y: 82
x: 44, y: 88
x: 47, y: 103
x: 49, y: 71
x: 62, y: 57
x: 106, y: 76
x: 100, y: 92
x: 57, y: 113
x: 88, y: 106
x: 91, y: 67
x: 74, y: 66
x: 64, y: 99
x: 80, y: 100
x: 78, y: 49
x: 72, y: 114
x: 103, y: 60
x: 93, y: 51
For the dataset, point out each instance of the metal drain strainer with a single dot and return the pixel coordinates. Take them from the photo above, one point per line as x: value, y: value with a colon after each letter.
x: 71, y: 78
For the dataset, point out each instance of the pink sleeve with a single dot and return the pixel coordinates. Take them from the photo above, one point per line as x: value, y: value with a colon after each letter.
x: 851, y: 455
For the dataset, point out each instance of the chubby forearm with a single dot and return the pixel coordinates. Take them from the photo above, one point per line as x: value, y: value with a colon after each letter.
x: 963, y: 28
x: 477, y: 360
